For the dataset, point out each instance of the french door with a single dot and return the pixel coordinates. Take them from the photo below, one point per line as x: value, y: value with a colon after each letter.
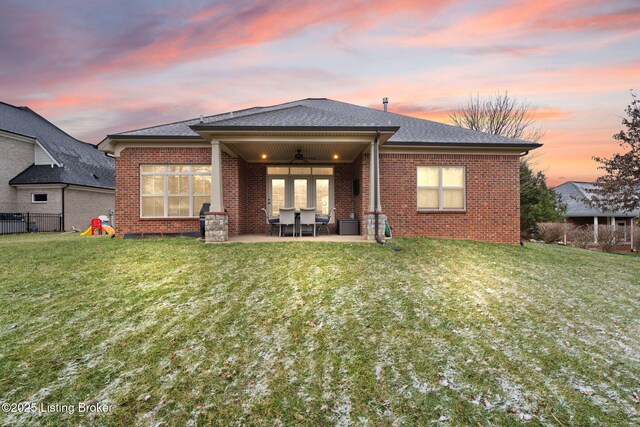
x: 299, y: 192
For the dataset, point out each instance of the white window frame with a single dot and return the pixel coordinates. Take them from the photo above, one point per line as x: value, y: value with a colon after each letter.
x: 165, y: 195
x: 441, y: 187
x: 39, y: 194
x: 311, y: 187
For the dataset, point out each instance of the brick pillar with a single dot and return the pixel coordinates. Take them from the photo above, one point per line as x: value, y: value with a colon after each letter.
x: 216, y: 227
x: 370, y: 225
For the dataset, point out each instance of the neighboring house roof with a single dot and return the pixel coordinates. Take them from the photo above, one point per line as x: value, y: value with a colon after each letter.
x: 326, y: 113
x: 81, y: 163
x: 573, y: 194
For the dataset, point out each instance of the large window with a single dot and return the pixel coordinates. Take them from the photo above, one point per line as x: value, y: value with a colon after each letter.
x: 299, y: 187
x: 441, y: 187
x: 174, y: 190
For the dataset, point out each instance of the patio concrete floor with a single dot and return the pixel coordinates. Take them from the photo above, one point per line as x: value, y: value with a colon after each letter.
x: 261, y: 238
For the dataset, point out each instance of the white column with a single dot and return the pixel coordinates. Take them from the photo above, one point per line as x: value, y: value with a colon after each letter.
x: 595, y: 229
x: 373, y: 164
x: 216, y: 177
x: 612, y: 222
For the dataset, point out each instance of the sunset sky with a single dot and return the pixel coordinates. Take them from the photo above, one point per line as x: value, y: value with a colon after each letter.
x: 99, y: 67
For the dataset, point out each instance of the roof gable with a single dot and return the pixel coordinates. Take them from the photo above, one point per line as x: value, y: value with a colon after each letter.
x: 78, y: 159
x: 575, y: 193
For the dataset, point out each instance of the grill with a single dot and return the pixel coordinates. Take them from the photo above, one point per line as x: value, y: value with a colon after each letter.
x: 205, y: 208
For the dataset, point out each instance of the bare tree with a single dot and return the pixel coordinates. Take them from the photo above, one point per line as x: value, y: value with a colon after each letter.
x: 506, y: 116
x: 500, y: 115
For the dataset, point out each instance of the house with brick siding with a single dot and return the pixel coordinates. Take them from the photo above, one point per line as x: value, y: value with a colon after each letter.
x: 425, y: 178
x: 43, y: 170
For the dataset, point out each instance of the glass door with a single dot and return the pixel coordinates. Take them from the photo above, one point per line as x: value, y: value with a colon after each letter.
x: 301, y: 193
x: 299, y: 187
x: 277, y: 197
x: 322, y: 195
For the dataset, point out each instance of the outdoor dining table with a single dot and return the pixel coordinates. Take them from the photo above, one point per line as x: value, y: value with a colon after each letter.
x: 297, y: 219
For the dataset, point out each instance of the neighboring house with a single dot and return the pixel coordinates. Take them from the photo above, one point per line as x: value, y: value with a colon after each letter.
x: 575, y: 194
x: 44, y: 170
x: 434, y: 179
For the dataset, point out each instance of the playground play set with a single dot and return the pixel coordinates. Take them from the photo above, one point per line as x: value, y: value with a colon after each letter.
x: 99, y: 226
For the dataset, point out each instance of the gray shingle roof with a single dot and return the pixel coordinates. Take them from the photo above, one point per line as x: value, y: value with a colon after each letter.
x: 572, y: 194
x: 81, y: 162
x: 321, y: 112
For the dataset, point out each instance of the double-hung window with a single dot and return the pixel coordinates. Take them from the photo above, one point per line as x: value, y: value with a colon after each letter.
x: 441, y: 188
x: 174, y: 190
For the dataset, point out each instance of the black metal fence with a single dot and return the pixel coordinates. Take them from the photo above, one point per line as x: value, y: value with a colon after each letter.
x: 11, y: 223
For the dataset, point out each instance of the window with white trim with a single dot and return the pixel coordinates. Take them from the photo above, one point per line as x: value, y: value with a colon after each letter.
x: 174, y: 190
x: 441, y: 188
x: 39, y: 197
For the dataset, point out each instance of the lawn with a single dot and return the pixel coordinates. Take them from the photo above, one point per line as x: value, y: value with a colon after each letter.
x: 176, y: 332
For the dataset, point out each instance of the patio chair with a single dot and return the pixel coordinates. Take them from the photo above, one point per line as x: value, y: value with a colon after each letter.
x: 272, y: 223
x: 287, y: 217
x: 308, y: 217
x: 323, y: 221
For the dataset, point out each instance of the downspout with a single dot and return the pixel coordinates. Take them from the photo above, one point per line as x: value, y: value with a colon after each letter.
x: 62, y: 224
x: 375, y: 163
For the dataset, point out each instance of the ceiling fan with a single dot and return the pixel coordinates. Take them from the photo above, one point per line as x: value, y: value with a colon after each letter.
x: 299, y: 157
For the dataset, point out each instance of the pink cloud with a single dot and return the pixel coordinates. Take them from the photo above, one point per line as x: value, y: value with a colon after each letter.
x: 489, y: 31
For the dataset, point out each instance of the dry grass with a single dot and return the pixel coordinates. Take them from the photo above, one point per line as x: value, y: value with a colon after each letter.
x: 174, y: 332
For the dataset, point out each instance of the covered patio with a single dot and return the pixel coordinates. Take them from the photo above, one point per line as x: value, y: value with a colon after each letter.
x: 322, y: 168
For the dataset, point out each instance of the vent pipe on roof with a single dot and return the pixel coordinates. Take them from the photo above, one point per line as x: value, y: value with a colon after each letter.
x: 201, y: 119
x: 385, y: 101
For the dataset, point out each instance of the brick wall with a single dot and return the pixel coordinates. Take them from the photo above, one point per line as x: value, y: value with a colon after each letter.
x: 53, y: 205
x: 82, y: 205
x: 128, y: 188
x: 361, y: 202
x: 16, y: 156
x: 493, y: 197
x: 256, y: 197
x: 243, y: 184
x: 231, y: 192
x: 493, y: 202
x: 255, y: 183
x: 357, y: 200
x: 345, y: 202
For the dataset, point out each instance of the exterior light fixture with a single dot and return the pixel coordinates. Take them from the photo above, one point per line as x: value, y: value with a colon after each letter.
x: 335, y: 157
x: 264, y: 156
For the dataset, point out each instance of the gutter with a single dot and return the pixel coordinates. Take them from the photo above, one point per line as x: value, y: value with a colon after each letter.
x: 378, y: 130
x: 524, y: 146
